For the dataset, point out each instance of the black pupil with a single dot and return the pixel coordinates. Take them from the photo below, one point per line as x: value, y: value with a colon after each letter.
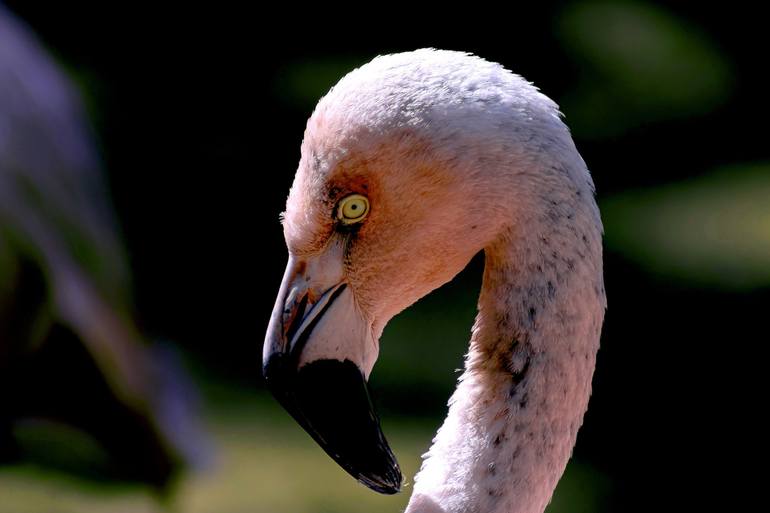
x: 354, y: 206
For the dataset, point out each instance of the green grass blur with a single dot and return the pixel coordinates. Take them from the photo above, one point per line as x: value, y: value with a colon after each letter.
x: 264, y: 463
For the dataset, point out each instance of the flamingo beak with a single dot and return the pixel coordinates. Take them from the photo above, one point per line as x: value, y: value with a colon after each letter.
x: 313, y: 357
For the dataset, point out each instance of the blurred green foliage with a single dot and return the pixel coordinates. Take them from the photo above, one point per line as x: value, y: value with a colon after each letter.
x: 638, y: 64
x: 266, y: 464
x: 423, y: 347
x: 713, y: 230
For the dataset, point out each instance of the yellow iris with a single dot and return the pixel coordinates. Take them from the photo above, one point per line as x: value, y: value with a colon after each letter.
x: 352, y: 209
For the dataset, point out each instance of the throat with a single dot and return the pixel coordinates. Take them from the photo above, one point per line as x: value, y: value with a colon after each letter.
x: 514, y: 417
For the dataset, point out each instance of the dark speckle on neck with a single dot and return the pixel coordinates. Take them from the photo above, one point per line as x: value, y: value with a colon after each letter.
x: 494, y: 493
x: 519, y: 365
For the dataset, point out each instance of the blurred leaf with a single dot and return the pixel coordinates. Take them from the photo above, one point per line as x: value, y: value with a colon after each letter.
x: 638, y: 64
x: 62, y: 447
x: 714, y: 230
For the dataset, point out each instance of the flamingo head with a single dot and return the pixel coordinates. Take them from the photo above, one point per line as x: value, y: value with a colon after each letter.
x: 397, y: 188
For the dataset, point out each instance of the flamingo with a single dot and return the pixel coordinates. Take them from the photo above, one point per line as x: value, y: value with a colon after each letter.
x: 71, y: 352
x: 410, y: 165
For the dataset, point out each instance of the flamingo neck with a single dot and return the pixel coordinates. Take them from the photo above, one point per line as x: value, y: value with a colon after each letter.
x: 514, y: 417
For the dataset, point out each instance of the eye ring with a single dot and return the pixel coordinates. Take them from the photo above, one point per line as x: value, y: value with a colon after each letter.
x: 352, y: 209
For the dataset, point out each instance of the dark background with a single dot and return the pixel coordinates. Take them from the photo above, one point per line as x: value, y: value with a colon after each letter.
x: 199, y: 113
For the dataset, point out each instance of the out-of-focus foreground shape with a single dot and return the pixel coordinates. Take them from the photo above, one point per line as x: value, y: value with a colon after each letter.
x: 73, y: 365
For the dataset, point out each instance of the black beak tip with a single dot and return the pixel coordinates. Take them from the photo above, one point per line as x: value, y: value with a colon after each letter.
x: 387, y: 484
x: 330, y: 399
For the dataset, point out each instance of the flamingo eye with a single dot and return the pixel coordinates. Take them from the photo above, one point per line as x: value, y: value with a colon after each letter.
x: 352, y: 209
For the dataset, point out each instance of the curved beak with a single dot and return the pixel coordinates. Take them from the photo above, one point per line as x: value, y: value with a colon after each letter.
x: 318, y: 351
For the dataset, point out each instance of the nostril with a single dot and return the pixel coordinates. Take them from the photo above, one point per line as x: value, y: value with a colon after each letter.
x: 294, y: 316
